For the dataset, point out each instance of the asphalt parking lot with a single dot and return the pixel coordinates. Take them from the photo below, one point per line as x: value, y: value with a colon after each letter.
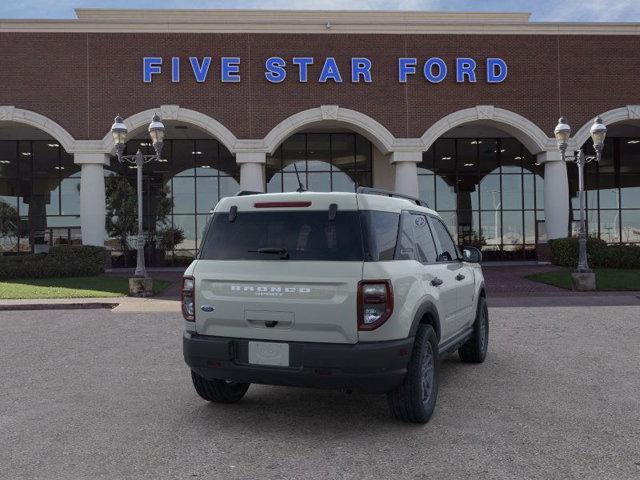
x: 100, y: 394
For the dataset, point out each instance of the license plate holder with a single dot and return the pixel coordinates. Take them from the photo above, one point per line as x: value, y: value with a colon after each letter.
x: 274, y: 354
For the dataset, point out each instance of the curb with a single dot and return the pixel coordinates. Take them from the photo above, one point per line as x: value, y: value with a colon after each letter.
x: 57, y: 306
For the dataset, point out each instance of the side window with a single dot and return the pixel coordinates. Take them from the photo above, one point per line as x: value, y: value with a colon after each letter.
x: 425, y: 247
x: 447, y: 251
x: 380, y: 231
x: 405, y: 249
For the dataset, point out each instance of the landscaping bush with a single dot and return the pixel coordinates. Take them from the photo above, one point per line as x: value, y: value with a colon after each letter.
x: 61, y: 261
x: 619, y: 256
x: 564, y: 252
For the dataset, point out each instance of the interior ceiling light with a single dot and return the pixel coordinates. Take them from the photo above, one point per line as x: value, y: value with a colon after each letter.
x: 26, y: 154
x: 633, y: 142
x: 53, y: 145
x: 196, y: 153
x: 4, y: 162
x: 469, y: 164
x: 446, y: 158
x: 476, y: 142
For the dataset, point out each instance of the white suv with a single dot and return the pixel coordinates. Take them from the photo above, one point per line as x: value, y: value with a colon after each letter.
x: 352, y: 291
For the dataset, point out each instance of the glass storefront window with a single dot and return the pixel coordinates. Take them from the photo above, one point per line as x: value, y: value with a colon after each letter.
x: 612, y: 191
x: 325, y: 162
x: 39, y: 192
x: 179, y: 191
x: 489, y: 189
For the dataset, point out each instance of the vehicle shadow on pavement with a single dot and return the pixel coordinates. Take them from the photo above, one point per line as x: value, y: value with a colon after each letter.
x: 267, y: 410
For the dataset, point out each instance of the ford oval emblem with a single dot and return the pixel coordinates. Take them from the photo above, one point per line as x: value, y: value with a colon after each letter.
x: 207, y: 308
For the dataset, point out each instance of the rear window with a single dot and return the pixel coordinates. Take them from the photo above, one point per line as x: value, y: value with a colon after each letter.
x: 352, y: 236
x: 303, y: 235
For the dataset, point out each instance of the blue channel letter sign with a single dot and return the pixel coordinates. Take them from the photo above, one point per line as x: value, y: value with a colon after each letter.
x: 309, y: 69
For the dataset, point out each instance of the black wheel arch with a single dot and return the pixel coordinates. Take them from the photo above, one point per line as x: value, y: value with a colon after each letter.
x: 427, y: 314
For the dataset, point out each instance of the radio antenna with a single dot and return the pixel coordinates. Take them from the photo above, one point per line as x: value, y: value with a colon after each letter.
x: 300, y: 186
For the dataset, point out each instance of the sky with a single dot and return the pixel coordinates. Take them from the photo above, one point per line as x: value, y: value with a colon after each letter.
x: 542, y: 10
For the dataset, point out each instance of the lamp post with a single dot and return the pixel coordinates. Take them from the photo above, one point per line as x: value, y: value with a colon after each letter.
x: 156, y: 132
x: 583, y: 278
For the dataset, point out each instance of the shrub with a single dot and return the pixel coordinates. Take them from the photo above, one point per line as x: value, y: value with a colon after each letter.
x: 61, y: 261
x: 564, y: 252
x: 619, y: 256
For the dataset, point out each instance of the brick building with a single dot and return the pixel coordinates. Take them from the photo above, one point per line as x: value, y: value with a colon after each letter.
x: 457, y: 108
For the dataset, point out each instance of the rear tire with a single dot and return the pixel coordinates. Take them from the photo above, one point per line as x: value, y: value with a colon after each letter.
x: 415, y: 399
x: 219, y: 391
x: 475, y: 349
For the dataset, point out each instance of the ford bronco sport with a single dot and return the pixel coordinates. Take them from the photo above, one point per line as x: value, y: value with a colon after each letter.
x: 351, y: 291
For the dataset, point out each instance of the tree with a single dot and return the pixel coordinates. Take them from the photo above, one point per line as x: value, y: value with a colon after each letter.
x: 122, y: 210
x: 9, y: 223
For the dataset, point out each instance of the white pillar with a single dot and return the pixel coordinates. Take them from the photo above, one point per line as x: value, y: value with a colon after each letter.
x: 92, y: 197
x: 251, y: 170
x: 406, y: 168
x: 556, y: 194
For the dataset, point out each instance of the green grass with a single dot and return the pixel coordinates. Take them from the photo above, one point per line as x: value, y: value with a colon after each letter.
x: 73, y: 287
x: 607, y: 279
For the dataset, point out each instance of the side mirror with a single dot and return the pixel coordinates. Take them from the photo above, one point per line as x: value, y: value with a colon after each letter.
x: 471, y: 255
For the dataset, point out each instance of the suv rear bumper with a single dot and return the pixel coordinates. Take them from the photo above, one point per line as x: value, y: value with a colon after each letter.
x: 372, y: 367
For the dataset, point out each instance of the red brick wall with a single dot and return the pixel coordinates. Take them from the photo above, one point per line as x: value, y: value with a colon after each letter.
x: 82, y: 80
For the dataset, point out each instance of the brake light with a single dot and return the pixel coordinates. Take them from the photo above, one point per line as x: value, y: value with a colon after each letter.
x: 188, y: 298
x: 281, y: 204
x: 375, y: 303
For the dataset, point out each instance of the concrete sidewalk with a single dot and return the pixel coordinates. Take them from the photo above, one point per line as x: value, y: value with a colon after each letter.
x: 117, y: 304
x: 159, y: 304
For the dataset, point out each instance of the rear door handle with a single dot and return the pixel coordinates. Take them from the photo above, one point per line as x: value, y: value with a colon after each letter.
x: 460, y: 277
x: 436, y: 282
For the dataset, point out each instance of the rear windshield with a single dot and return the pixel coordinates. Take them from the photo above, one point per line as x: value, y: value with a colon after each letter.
x: 301, y: 235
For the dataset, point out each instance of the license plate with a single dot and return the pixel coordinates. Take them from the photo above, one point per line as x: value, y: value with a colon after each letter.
x: 269, y: 353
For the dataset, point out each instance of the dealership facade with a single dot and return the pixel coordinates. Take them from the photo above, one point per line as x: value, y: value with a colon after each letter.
x: 456, y: 108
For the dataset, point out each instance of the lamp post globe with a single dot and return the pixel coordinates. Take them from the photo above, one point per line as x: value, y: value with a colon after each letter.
x: 156, y: 132
x: 598, y: 134
x: 119, y: 132
x: 562, y: 133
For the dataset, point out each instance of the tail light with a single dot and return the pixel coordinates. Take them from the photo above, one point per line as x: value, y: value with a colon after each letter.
x: 375, y: 303
x: 188, y: 298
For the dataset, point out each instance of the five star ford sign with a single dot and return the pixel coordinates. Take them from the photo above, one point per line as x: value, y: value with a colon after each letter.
x: 361, y: 69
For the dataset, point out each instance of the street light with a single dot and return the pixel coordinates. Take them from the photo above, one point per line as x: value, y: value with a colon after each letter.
x: 156, y: 132
x: 598, y: 133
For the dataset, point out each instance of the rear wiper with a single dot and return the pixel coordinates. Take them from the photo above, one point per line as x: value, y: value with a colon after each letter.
x: 284, y: 254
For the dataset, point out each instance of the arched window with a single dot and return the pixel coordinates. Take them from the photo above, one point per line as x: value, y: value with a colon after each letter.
x: 489, y: 192
x: 612, y: 188
x: 325, y: 162
x: 178, y: 193
x: 39, y: 193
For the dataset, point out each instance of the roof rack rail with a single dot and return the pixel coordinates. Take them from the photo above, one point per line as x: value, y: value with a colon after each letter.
x: 242, y: 193
x: 389, y: 193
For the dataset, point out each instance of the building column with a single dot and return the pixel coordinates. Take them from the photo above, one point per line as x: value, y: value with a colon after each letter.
x: 556, y: 194
x: 406, y: 168
x: 92, y: 197
x: 251, y: 170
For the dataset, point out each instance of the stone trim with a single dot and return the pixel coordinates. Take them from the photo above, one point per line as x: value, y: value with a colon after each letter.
x: 9, y: 113
x: 382, y: 138
x: 328, y: 22
x: 617, y: 115
x: 175, y: 112
x: 516, y: 125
